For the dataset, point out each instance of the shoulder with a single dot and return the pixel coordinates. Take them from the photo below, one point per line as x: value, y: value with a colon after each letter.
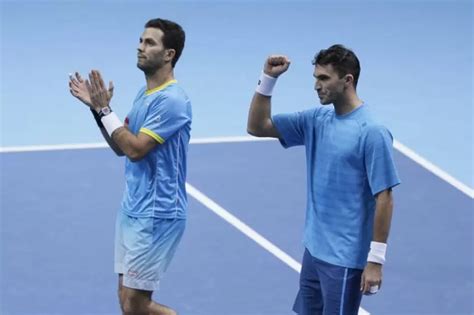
x: 175, y: 95
x: 369, y: 126
x: 141, y: 93
x: 374, y: 132
x: 324, y: 111
x: 142, y: 90
x: 171, y: 94
x: 316, y: 112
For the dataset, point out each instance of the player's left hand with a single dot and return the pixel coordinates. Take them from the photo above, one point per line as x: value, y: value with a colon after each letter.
x: 371, y: 280
x: 99, y: 95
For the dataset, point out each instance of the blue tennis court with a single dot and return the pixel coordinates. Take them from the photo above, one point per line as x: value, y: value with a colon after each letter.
x: 58, y: 210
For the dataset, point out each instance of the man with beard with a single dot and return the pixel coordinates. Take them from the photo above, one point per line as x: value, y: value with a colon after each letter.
x: 350, y: 175
x: 154, y: 139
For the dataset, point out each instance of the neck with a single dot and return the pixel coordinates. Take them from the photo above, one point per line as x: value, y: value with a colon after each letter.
x: 347, y: 103
x: 158, y: 78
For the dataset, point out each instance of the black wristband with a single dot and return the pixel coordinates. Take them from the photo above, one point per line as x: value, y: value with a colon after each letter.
x: 97, y: 119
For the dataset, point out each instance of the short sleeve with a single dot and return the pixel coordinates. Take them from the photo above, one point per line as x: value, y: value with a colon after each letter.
x: 379, y: 162
x: 291, y: 128
x: 165, y: 117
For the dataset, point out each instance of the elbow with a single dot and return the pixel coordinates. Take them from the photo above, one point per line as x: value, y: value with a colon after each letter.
x: 135, y: 156
x: 253, y: 132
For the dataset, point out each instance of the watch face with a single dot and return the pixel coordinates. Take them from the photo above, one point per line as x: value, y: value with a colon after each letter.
x: 105, y: 111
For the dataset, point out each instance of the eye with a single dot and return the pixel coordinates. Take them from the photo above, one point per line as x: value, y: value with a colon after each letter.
x: 150, y: 42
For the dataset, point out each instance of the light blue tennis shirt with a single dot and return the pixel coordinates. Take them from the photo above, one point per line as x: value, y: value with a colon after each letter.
x: 349, y: 160
x: 155, y: 185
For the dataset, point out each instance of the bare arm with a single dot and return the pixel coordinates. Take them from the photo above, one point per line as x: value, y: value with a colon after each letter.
x: 372, y: 275
x: 135, y: 147
x: 259, y: 122
x: 78, y: 89
x: 383, y: 216
x: 111, y: 142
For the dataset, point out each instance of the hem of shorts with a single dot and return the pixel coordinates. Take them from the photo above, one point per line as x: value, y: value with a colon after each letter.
x: 157, y: 214
x: 138, y: 284
x: 334, y: 262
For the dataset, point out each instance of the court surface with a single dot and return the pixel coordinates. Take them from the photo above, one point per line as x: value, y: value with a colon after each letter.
x: 241, y: 251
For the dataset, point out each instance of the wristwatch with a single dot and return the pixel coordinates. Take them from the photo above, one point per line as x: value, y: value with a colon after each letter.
x: 104, y: 111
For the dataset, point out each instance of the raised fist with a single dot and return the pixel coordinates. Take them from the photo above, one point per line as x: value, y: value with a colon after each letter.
x: 276, y: 65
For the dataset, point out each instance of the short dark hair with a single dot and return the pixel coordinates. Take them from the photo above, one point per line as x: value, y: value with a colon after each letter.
x: 342, y: 59
x: 173, y: 36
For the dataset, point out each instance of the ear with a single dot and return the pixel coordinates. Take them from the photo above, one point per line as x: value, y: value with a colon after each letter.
x: 349, y: 79
x: 169, y: 54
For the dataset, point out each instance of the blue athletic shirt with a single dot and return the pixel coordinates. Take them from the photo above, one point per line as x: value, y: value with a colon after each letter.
x: 349, y: 160
x: 155, y: 185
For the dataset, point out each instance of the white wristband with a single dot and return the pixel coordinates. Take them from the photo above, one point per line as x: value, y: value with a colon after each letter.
x: 111, y: 123
x: 377, y: 252
x: 265, y: 84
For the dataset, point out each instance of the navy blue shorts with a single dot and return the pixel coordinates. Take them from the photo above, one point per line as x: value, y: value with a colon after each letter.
x: 327, y: 289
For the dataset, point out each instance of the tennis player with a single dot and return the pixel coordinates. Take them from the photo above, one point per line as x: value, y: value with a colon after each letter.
x: 350, y: 176
x: 155, y: 140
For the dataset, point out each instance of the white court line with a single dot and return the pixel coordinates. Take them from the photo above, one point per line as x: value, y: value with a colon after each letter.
x: 248, y: 231
x: 242, y: 227
x: 229, y: 139
x: 399, y: 146
x: 53, y: 147
x: 82, y: 146
x: 433, y: 168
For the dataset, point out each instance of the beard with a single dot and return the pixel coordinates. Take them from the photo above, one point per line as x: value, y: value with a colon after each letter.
x: 150, y: 66
x: 325, y: 101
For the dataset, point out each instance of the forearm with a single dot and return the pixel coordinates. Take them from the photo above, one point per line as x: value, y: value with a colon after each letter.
x: 106, y: 136
x: 259, y: 115
x: 372, y: 275
x: 383, y: 216
x: 128, y: 143
x: 111, y: 142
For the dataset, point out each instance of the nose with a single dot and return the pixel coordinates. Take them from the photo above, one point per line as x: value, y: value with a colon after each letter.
x: 317, y: 86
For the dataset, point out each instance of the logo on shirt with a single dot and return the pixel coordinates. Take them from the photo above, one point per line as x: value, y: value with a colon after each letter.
x: 132, y: 273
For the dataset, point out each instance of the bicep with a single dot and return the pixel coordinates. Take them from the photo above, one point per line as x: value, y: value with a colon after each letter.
x: 145, y: 143
x: 384, y: 197
x: 269, y: 130
x: 135, y: 147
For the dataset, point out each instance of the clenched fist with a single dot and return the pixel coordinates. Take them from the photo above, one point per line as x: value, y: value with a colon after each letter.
x: 276, y: 65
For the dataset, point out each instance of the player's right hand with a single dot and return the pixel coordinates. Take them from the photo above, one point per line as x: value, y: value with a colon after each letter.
x: 276, y: 65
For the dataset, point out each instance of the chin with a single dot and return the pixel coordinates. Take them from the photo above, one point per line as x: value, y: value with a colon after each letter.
x: 143, y: 67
